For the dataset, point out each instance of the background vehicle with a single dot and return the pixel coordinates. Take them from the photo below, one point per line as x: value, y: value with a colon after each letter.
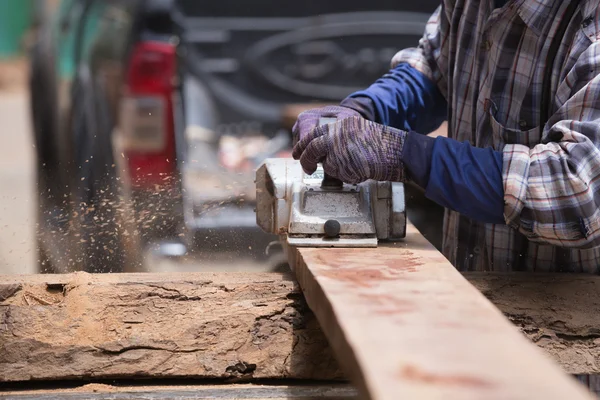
x: 244, y: 70
x: 151, y: 116
x: 94, y: 62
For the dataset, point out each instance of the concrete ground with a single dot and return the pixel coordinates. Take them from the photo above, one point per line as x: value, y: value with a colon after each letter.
x: 17, y: 247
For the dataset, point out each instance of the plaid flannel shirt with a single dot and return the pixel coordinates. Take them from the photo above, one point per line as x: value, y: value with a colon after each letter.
x: 489, y: 65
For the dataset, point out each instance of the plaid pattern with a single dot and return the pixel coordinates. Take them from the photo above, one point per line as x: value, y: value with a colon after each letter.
x: 489, y: 64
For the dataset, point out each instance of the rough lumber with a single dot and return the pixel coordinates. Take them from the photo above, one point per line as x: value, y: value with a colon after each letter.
x: 558, y: 312
x: 405, y: 324
x: 192, y: 325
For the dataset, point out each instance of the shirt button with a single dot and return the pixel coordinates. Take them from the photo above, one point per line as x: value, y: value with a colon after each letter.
x: 523, y: 124
x: 586, y: 22
x: 487, y: 45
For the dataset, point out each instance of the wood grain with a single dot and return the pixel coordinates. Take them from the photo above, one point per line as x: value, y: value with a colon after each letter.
x: 405, y: 324
x: 64, y: 326
x: 192, y: 325
x: 558, y: 312
x: 189, y: 392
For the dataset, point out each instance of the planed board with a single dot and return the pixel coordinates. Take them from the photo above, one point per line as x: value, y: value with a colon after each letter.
x: 405, y: 324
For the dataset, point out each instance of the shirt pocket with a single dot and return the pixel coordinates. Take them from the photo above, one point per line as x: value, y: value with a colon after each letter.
x: 501, y: 135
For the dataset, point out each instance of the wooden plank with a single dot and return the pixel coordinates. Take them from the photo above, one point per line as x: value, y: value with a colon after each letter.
x: 558, y: 312
x: 43, y: 320
x: 190, y: 392
x: 405, y: 324
x: 188, y: 325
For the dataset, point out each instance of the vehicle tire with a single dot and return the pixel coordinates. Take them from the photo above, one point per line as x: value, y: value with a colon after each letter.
x: 43, y: 123
x: 44, y: 264
x: 100, y: 234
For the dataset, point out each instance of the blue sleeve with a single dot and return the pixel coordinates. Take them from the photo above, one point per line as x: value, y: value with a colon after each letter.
x: 457, y: 175
x: 406, y: 99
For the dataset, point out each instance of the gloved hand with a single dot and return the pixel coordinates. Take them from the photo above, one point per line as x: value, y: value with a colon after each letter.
x: 353, y: 150
x: 309, y: 120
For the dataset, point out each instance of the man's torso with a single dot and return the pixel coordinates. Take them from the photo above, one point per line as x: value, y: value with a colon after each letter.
x: 496, y: 61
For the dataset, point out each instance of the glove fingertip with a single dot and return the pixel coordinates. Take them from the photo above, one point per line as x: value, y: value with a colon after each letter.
x: 296, y: 154
x: 309, y: 170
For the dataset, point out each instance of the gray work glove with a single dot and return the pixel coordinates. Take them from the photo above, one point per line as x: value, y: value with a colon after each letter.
x: 353, y: 150
x: 309, y: 120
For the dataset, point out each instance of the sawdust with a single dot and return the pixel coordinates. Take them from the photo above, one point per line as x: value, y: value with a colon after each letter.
x: 96, y: 387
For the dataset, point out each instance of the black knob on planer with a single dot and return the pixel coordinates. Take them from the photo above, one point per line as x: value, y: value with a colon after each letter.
x: 332, y: 228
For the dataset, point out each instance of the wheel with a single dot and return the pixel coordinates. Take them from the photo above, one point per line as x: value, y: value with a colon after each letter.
x: 102, y: 238
x: 46, y: 163
x: 44, y: 264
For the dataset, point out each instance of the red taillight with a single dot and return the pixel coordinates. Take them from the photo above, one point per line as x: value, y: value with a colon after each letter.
x: 146, y: 120
x: 152, y: 68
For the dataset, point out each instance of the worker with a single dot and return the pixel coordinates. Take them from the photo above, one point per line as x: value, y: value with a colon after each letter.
x: 519, y: 172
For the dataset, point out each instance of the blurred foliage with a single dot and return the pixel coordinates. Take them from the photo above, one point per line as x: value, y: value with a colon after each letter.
x: 16, y: 17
